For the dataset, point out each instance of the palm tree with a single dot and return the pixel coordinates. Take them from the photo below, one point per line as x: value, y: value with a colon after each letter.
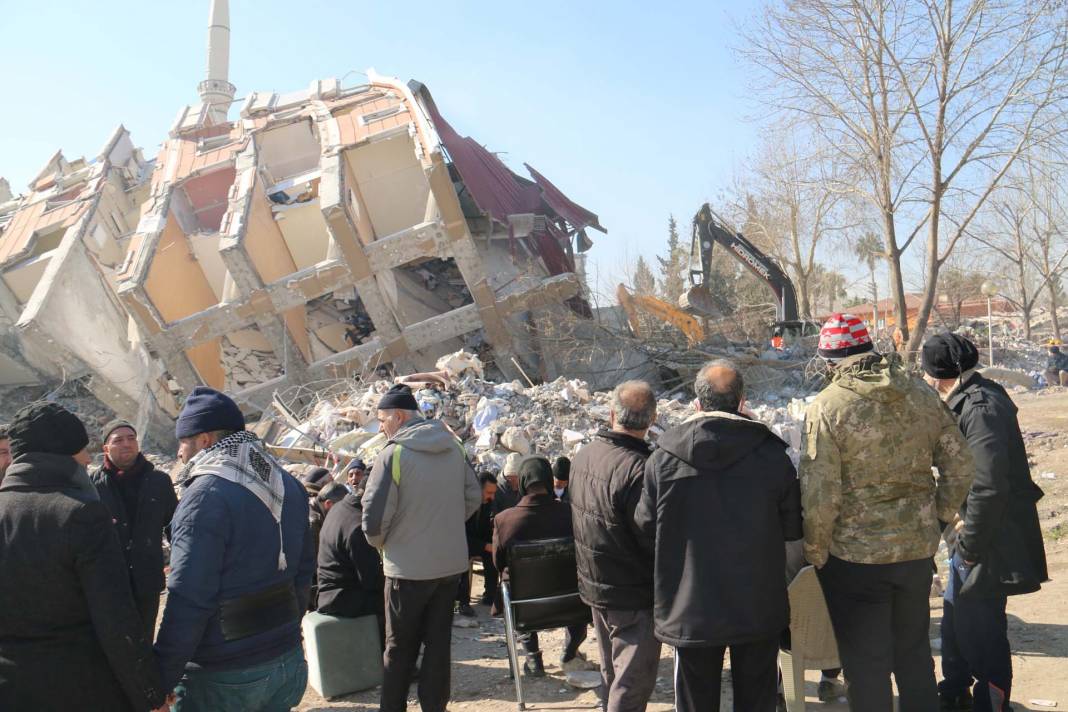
x: 869, y: 248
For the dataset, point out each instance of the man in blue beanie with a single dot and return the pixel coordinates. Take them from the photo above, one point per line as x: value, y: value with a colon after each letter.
x: 241, y: 569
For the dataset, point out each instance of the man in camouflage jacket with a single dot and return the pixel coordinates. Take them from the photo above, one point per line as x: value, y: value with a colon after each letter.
x: 874, y: 510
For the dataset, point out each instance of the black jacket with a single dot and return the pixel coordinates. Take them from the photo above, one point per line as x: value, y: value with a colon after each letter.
x: 479, y: 529
x: 1001, y: 529
x: 720, y: 499
x: 70, y: 636
x: 141, y: 534
x: 351, y: 583
x: 506, y: 497
x: 614, y: 571
x: 536, y: 516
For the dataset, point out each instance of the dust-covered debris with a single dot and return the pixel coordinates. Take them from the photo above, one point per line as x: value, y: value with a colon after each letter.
x: 497, y: 422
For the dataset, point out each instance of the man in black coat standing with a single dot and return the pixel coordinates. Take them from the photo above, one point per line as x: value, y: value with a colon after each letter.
x: 998, y: 550
x: 70, y: 636
x: 142, y: 501
x: 721, y: 498
x: 615, y: 572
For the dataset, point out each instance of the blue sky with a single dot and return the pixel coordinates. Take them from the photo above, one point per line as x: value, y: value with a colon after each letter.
x: 635, y: 109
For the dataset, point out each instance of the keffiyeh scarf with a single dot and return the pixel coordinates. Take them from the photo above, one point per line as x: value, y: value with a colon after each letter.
x: 241, y: 459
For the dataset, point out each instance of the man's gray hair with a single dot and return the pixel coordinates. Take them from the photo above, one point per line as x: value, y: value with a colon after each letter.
x: 634, y: 405
x: 723, y: 393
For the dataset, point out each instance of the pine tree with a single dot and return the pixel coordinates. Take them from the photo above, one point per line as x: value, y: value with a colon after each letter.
x: 643, y: 280
x: 673, y: 267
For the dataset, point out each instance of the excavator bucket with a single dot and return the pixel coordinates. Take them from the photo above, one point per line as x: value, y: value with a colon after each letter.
x: 698, y: 301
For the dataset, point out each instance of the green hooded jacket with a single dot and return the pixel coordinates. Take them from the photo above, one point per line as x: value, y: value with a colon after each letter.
x: 870, y: 441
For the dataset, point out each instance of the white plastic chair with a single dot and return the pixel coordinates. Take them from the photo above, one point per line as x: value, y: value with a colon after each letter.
x: 812, y: 642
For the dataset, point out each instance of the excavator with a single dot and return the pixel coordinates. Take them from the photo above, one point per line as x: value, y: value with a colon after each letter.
x: 697, y: 303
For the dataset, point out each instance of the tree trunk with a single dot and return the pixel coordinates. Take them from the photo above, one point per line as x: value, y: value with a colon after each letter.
x: 1051, y: 284
x: 1027, y: 320
x: 802, y: 288
x: 897, y: 283
x: 930, y: 288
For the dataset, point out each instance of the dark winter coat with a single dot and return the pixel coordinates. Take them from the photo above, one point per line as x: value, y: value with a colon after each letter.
x: 536, y: 516
x: 141, y: 532
x: 70, y: 636
x: 614, y: 570
x: 479, y: 529
x: 721, y: 497
x: 506, y: 497
x: 1001, y: 530
x: 224, y: 547
x: 351, y: 582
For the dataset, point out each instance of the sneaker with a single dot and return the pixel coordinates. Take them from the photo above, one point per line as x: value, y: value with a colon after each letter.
x: 465, y: 609
x: 533, y: 666
x: 830, y: 690
x: 955, y: 703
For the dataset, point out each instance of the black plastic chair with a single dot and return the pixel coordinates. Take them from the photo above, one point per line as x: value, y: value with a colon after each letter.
x: 541, y: 593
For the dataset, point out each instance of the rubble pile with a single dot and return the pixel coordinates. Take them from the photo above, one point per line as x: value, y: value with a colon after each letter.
x: 498, y: 423
x: 245, y: 365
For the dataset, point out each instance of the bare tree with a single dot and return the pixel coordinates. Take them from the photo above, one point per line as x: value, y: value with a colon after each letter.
x: 792, y: 209
x: 929, y: 103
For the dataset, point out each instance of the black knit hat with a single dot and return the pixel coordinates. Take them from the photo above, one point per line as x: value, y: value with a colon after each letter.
x: 948, y: 356
x: 115, y: 425
x: 206, y: 410
x: 398, y: 397
x: 47, y: 427
x: 562, y: 469
x: 534, y: 470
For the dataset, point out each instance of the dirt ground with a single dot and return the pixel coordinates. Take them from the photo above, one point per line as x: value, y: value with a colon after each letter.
x: 1038, y: 623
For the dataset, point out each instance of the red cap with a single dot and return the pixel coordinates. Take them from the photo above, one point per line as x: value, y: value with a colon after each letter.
x: 844, y: 335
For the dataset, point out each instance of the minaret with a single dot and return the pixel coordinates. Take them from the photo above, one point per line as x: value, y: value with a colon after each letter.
x: 216, y: 91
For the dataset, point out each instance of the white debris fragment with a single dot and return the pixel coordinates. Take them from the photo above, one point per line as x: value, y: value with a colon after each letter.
x: 1048, y: 475
x: 460, y: 364
x: 516, y: 440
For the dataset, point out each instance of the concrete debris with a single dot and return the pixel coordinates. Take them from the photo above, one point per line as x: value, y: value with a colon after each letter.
x: 498, y: 422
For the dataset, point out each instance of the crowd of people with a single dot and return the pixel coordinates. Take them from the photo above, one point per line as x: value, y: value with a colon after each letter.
x: 689, y: 543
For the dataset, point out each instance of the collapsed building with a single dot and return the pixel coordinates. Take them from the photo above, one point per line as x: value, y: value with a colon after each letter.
x: 324, y: 232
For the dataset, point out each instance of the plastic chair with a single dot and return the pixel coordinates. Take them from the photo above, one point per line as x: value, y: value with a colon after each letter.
x: 812, y: 642
x: 541, y: 593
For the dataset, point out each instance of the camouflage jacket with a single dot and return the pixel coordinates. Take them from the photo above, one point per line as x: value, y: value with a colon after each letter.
x: 867, y: 488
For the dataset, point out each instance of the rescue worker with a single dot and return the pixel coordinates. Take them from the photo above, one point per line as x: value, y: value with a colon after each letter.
x: 872, y: 512
x: 1056, y: 367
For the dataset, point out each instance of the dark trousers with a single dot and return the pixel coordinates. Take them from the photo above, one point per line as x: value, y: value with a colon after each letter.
x: 418, y: 613
x: 881, y: 619
x: 572, y: 640
x: 148, y: 610
x: 489, y: 573
x: 975, y: 645
x: 754, y: 670
x: 630, y: 654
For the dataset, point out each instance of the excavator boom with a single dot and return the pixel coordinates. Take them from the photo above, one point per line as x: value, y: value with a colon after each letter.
x: 708, y: 230
x: 634, y: 303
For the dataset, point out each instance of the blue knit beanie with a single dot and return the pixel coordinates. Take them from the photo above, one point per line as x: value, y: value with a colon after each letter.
x: 206, y: 410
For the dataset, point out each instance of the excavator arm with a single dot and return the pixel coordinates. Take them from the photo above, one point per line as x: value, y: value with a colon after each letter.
x: 634, y: 303
x: 708, y: 229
